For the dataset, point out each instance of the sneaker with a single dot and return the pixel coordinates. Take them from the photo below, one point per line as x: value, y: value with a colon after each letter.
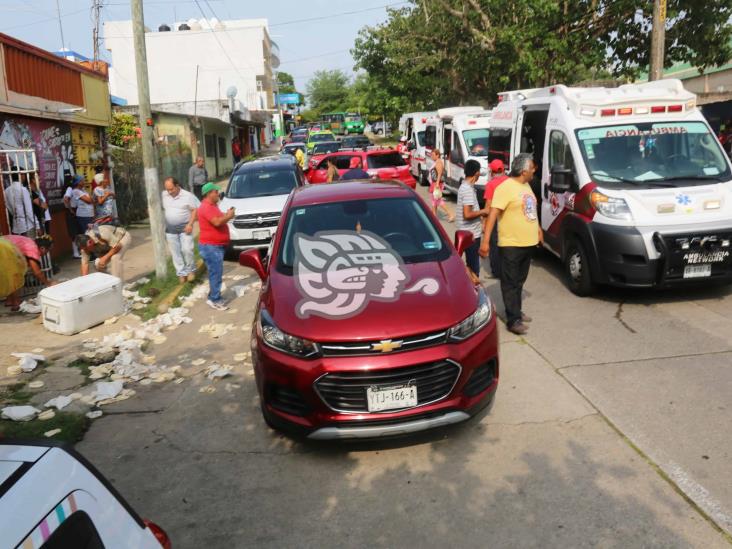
x: 218, y: 305
x: 191, y: 277
x: 519, y: 328
x: 525, y: 318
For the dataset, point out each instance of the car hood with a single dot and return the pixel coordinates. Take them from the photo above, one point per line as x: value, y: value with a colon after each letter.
x: 260, y: 204
x: 410, y: 313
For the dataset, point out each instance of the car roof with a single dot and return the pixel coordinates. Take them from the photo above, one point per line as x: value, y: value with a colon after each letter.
x: 362, y: 152
x: 352, y: 190
x: 266, y: 163
x: 320, y: 132
x: 328, y: 143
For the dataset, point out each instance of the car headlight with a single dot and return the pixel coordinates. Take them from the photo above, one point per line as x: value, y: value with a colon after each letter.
x: 277, y: 339
x: 475, y: 322
x: 614, y: 208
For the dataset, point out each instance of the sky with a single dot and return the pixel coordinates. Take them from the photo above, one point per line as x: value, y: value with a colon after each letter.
x: 305, y: 46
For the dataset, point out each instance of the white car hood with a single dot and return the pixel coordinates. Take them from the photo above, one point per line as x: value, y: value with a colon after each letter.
x: 260, y: 204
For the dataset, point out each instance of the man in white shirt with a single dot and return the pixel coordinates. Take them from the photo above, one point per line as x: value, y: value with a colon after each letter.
x: 181, y: 208
x: 20, y: 207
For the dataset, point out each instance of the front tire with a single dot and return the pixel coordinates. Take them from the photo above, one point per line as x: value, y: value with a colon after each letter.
x: 577, y: 269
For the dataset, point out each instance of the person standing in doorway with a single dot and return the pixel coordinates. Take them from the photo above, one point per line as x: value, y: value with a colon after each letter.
x: 105, y: 200
x: 197, y: 177
x: 514, y: 206
x: 469, y: 216
x: 236, y: 150
x: 84, y: 205
x: 499, y: 176
x: 437, y: 186
x: 181, y: 209
x: 20, y: 208
x: 40, y: 207
x: 213, y: 240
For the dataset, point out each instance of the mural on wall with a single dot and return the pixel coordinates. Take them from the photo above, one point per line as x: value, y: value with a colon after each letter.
x: 54, y: 151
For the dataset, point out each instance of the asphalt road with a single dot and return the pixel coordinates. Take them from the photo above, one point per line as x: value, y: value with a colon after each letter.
x: 610, y: 429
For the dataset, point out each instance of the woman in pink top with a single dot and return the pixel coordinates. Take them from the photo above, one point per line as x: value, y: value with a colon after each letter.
x: 32, y: 251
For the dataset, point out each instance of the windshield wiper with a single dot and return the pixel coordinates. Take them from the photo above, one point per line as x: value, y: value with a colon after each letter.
x: 613, y: 177
x: 692, y: 177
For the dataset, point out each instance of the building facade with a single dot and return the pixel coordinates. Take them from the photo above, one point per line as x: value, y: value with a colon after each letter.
x: 220, y: 74
x: 57, y: 109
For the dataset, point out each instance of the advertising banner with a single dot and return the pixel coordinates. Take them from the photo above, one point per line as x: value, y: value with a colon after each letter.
x: 51, y: 140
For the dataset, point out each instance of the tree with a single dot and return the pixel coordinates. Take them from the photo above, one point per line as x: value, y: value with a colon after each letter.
x: 286, y: 83
x: 123, y: 130
x: 328, y: 90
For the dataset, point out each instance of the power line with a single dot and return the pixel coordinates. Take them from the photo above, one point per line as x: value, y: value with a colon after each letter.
x: 331, y: 16
x: 55, y: 18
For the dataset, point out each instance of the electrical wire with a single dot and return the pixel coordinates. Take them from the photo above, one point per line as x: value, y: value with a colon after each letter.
x: 331, y: 16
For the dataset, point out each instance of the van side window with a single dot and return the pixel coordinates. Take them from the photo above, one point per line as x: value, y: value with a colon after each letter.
x: 499, y: 145
x: 430, y: 137
x: 560, y: 151
x: 76, y: 531
x: 456, y: 154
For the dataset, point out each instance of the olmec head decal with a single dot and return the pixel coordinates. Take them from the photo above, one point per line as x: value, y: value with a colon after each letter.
x: 339, y: 272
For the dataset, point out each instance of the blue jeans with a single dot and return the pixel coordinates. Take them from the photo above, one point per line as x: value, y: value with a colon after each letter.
x: 213, y: 256
x: 181, y: 250
x: 82, y: 223
x: 472, y: 257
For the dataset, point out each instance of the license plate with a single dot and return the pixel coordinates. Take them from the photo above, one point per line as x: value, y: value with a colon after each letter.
x: 391, y: 398
x: 697, y: 271
x: 260, y: 235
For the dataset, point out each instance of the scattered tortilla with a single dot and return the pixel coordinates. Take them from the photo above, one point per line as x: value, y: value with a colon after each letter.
x: 52, y: 432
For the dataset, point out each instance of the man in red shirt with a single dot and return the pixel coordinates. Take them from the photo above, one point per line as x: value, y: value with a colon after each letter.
x: 499, y: 176
x: 213, y: 240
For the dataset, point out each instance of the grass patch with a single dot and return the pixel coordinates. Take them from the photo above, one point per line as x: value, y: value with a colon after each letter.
x: 82, y: 364
x: 159, y: 290
x: 72, y: 425
x: 14, y: 395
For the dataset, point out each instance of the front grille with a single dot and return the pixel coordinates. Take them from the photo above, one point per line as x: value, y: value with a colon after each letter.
x: 481, y: 379
x: 257, y: 221
x: 287, y: 400
x: 355, y: 348
x: 346, y: 391
x: 681, y: 250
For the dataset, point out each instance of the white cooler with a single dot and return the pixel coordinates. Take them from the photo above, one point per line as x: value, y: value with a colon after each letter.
x: 78, y: 304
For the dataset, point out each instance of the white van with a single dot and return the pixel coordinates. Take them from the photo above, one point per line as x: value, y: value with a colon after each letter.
x: 633, y: 187
x: 419, y: 142
x: 449, y: 128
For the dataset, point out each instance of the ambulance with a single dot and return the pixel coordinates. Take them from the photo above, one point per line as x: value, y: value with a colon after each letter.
x: 419, y: 141
x: 462, y: 134
x: 633, y: 187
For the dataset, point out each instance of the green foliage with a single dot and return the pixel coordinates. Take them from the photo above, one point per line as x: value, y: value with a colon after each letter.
x: 328, y: 91
x: 286, y: 83
x: 72, y: 425
x: 451, y: 52
x: 123, y: 131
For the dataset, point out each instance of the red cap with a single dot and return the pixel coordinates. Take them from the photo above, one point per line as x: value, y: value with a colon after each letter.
x: 355, y: 162
x: 496, y: 165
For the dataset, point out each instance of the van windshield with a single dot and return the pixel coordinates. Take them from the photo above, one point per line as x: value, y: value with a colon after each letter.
x: 476, y: 141
x: 653, y: 154
x: 420, y: 139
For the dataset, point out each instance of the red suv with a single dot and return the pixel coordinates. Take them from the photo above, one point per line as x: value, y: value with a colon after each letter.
x: 385, y: 164
x: 367, y: 324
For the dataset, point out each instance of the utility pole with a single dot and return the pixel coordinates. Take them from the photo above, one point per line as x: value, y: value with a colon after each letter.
x: 60, y: 26
x: 149, y: 161
x: 658, y: 39
x: 96, y: 7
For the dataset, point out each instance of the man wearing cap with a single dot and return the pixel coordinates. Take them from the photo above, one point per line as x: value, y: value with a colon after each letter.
x: 213, y: 240
x: 355, y: 170
x: 499, y: 176
x: 109, y: 243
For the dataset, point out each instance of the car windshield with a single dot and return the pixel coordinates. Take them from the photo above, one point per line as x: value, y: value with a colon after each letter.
x: 251, y: 184
x: 353, y: 119
x: 477, y: 141
x: 386, y: 160
x: 653, y: 154
x: 324, y: 148
x: 402, y: 222
x: 356, y: 142
x: 321, y: 137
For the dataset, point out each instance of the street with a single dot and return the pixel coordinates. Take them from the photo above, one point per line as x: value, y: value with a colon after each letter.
x: 608, y: 430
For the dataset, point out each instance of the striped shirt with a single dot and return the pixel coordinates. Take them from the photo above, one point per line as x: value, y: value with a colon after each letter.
x: 467, y: 197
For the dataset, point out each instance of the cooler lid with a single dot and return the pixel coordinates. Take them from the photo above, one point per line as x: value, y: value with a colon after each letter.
x: 71, y: 290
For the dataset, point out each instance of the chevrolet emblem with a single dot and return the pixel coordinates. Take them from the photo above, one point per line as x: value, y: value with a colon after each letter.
x: 386, y: 345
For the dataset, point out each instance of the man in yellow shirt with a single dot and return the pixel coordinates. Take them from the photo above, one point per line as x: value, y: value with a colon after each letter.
x: 300, y: 157
x: 515, y: 206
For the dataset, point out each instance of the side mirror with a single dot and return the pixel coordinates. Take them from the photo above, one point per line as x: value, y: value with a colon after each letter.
x: 222, y: 194
x: 463, y: 241
x: 253, y: 260
x: 562, y: 180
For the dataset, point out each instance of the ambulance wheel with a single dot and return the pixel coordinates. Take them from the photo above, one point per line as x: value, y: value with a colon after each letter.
x: 577, y: 269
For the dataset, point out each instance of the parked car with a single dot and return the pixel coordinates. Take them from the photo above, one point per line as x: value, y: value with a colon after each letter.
x: 355, y: 142
x: 320, y: 150
x: 378, y: 128
x: 52, y: 497
x: 258, y: 191
x: 319, y: 137
x: 290, y: 148
x: 343, y: 346
x: 380, y: 163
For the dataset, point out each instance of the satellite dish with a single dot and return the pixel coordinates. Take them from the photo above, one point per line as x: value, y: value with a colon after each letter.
x: 231, y: 92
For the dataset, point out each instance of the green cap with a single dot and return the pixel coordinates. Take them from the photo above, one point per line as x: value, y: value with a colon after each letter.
x: 208, y: 187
